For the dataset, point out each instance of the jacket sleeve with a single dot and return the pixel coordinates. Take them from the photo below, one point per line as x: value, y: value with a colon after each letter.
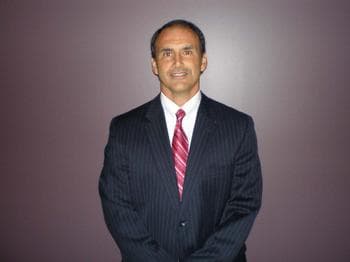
x: 241, y: 208
x: 123, y: 222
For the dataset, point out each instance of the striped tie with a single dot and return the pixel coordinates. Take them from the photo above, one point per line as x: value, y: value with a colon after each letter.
x: 180, y: 151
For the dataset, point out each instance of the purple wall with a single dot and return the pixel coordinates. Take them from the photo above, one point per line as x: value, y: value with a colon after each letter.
x: 67, y: 67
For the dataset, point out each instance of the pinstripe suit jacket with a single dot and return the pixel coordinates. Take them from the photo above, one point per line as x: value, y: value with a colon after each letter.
x: 222, y: 189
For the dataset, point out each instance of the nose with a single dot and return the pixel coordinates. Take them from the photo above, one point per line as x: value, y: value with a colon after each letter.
x: 178, y: 59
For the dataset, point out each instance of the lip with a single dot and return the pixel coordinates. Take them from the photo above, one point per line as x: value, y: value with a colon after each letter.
x: 178, y: 74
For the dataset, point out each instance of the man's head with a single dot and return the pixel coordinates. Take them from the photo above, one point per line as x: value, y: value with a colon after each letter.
x: 180, y: 23
x: 178, y: 59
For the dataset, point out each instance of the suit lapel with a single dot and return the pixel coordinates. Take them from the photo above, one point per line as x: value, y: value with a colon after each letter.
x: 157, y: 134
x: 204, y: 126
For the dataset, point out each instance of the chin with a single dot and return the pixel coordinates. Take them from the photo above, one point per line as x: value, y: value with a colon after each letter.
x: 181, y: 90
x: 181, y: 87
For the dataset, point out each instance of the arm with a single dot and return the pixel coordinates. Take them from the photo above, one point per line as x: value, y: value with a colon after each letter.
x: 123, y: 222
x: 241, y: 208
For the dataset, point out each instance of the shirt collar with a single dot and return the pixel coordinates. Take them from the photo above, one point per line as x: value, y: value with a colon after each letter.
x: 171, y: 108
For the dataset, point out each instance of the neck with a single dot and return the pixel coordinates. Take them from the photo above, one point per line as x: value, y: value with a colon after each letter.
x: 179, y: 98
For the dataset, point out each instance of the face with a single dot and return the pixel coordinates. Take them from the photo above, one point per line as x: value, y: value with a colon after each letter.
x: 178, y: 62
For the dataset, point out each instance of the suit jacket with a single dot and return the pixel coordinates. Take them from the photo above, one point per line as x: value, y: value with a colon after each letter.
x: 222, y: 188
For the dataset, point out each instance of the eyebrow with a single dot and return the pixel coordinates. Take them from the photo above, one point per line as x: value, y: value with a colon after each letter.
x: 166, y: 49
x: 188, y: 47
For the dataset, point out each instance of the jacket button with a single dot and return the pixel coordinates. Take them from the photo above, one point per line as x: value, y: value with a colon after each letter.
x: 183, y: 223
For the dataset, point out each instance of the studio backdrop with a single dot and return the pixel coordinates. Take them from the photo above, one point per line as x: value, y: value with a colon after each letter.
x: 68, y: 67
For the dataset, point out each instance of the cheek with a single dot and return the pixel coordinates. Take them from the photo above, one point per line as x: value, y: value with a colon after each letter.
x: 163, y: 69
x: 196, y: 69
x: 162, y: 74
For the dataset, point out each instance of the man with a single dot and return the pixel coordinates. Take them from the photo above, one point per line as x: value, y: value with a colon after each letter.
x: 181, y: 179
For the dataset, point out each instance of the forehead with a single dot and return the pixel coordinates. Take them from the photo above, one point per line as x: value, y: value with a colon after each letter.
x: 177, y: 35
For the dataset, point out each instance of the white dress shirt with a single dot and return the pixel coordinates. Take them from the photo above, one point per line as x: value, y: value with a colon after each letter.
x: 191, y: 110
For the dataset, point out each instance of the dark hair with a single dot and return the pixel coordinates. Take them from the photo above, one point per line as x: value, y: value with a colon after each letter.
x: 181, y: 23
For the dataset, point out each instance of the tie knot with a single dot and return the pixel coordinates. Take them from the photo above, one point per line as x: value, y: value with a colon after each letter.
x: 180, y: 114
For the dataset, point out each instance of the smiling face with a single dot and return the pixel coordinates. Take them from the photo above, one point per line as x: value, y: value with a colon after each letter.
x: 178, y: 63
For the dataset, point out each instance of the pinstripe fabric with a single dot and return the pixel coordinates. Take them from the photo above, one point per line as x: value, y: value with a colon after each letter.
x: 221, y: 194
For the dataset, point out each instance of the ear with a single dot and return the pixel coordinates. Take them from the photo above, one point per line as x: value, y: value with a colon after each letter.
x: 154, y: 66
x: 204, y: 62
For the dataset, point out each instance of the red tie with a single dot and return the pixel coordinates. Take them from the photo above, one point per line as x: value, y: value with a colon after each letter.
x: 180, y: 151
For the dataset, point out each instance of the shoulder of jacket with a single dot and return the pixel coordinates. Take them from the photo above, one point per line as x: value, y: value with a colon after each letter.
x: 222, y: 112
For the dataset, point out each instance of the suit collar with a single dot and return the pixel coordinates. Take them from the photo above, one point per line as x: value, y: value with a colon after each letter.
x: 158, y: 138
x: 205, y: 125
x: 154, y: 111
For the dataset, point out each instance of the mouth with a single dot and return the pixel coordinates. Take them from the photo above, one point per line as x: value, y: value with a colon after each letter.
x: 178, y: 74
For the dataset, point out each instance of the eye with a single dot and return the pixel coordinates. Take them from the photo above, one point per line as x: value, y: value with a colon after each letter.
x: 188, y: 52
x: 167, y: 53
